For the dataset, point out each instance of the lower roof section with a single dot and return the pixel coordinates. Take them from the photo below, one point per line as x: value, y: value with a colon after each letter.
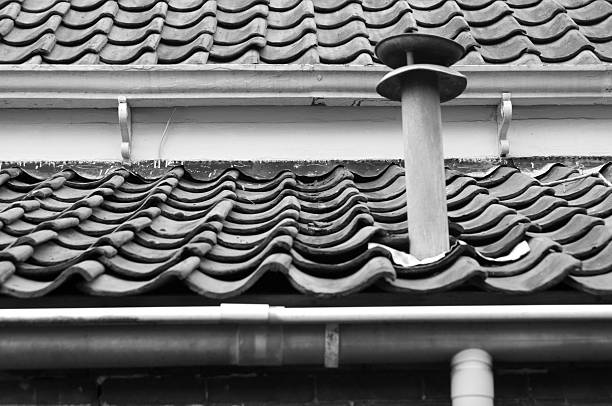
x: 221, y: 232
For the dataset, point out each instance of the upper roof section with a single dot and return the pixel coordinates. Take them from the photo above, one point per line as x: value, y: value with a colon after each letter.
x: 147, y: 32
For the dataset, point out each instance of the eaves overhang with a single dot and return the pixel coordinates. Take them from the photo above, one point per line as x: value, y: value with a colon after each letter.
x: 54, y: 86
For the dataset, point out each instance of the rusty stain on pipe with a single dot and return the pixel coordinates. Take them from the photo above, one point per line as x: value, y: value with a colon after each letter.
x: 332, y: 345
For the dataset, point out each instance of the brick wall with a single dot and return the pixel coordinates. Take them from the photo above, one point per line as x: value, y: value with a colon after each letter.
x: 534, y: 386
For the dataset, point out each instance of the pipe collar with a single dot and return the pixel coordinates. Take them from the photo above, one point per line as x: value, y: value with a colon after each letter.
x: 244, y: 313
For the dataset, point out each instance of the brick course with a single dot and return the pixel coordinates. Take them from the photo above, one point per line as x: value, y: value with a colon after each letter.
x: 537, y: 386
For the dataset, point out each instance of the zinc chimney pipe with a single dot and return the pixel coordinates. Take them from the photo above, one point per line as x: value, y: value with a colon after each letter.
x: 422, y: 80
x: 472, y: 379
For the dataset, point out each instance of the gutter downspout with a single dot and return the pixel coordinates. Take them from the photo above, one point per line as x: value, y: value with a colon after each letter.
x: 472, y: 378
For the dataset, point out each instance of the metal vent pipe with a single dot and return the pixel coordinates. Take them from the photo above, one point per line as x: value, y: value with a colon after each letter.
x: 422, y: 80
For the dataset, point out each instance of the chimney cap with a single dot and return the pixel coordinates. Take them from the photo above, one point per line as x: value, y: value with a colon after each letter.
x: 426, y: 49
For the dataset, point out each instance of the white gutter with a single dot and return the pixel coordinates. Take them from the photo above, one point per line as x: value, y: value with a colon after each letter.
x: 262, y: 313
x: 54, y: 86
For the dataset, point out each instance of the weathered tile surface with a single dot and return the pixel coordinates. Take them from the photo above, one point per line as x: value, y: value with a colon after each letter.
x: 125, y: 235
x: 296, y: 32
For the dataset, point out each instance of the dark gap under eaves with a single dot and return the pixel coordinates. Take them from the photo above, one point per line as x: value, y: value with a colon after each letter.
x: 291, y: 298
x: 207, y: 170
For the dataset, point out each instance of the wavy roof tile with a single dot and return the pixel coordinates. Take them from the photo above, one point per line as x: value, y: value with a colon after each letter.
x: 298, y: 31
x: 328, y: 235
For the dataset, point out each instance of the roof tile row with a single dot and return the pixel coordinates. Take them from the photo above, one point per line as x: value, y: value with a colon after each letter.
x: 291, y: 31
x: 328, y: 235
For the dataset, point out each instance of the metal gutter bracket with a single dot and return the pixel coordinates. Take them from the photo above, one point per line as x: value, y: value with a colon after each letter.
x: 124, y: 113
x: 504, y: 117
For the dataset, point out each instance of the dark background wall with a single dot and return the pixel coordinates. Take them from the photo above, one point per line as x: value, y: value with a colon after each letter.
x: 567, y: 385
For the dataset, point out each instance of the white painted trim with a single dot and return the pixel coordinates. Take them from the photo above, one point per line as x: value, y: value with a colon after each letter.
x: 96, y: 86
x: 251, y: 133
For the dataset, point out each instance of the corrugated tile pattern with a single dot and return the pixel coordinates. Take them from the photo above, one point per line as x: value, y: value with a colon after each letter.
x: 124, y: 235
x: 298, y: 31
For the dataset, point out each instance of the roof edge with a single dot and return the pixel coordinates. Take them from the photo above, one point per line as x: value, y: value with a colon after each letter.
x: 55, y: 86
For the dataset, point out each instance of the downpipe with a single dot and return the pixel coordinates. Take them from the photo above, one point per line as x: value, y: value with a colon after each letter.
x: 472, y: 378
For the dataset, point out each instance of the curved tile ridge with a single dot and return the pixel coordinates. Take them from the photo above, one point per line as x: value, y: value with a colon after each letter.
x: 135, y: 36
x: 329, y: 235
x: 291, y: 35
x: 342, y: 33
x: 187, y: 33
x: 240, y: 32
x: 384, y: 19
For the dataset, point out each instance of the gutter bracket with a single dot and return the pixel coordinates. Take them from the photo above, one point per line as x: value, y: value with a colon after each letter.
x: 504, y: 118
x: 124, y: 113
